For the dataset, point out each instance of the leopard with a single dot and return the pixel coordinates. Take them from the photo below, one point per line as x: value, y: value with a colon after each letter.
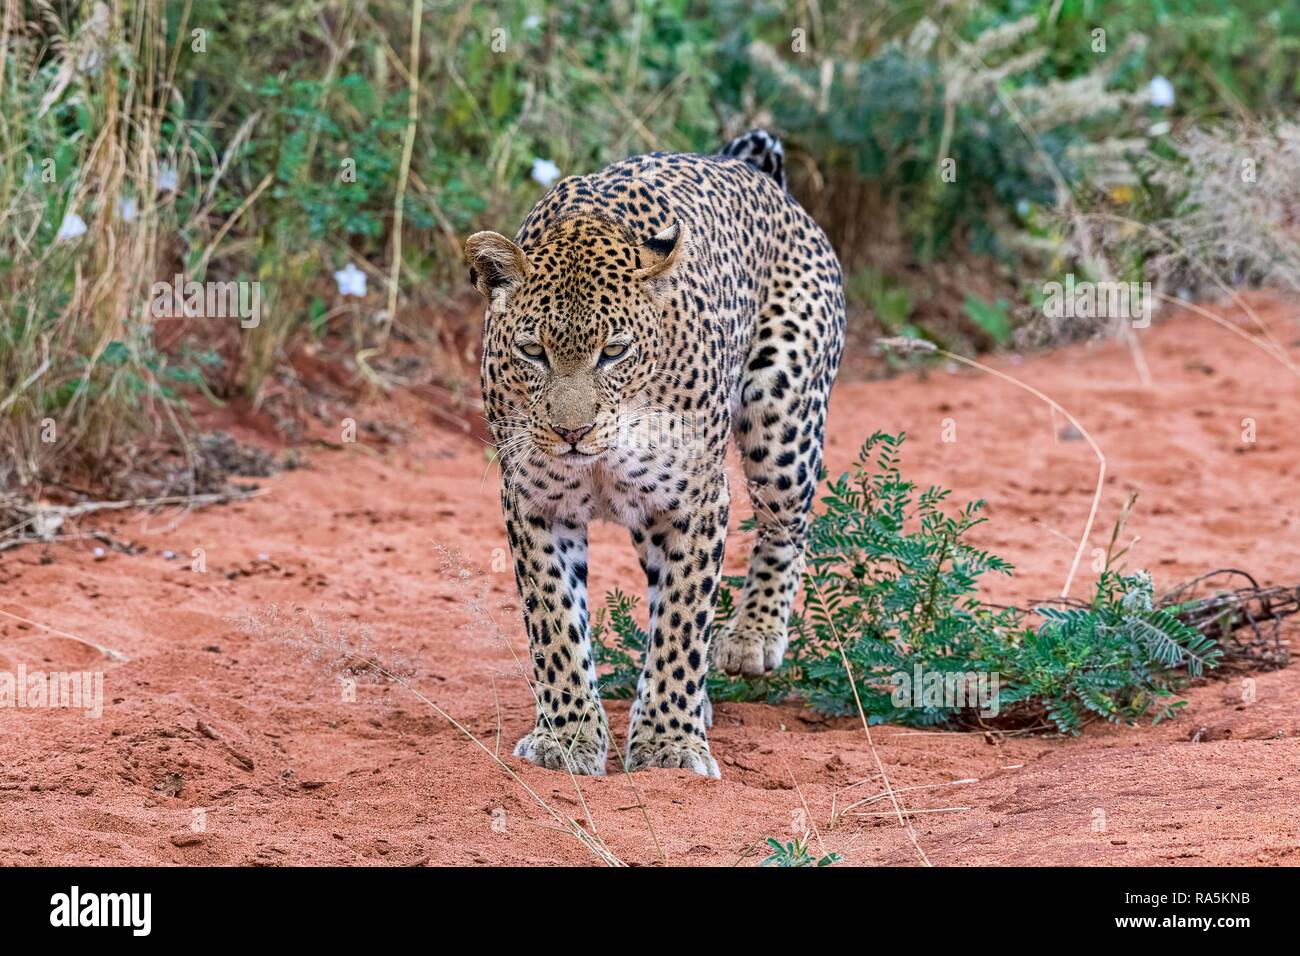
x: 641, y: 318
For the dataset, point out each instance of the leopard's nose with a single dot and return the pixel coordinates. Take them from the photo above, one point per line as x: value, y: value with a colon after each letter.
x: 573, y: 435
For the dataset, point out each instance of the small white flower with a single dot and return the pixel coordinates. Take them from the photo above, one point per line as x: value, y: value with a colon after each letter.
x: 168, y: 178
x: 1022, y: 208
x: 532, y: 22
x: 1159, y: 129
x: 351, y: 280
x: 1138, y: 597
x: 72, y: 227
x: 545, y: 172
x: 1161, y: 92
x: 126, y: 209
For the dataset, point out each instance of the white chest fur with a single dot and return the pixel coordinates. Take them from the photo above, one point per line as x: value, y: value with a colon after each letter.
x: 624, y: 485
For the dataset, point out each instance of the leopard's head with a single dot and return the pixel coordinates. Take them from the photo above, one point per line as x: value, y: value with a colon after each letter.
x: 572, y: 332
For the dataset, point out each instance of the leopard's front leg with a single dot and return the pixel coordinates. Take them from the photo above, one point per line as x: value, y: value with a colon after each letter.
x: 681, y: 553
x: 551, y: 571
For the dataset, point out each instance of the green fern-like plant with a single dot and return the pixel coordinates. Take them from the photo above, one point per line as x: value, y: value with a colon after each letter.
x: 891, y: 584
x: 796, y: 853
x: 892, y: 621
x: 1119, y: 658
x: 617, y: 644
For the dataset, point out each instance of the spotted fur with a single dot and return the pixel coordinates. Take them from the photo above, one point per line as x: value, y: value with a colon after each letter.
x: 761, y: 150
x: 641, y: 316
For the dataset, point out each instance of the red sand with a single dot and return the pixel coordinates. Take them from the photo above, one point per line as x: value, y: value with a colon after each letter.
x: 289, y: 772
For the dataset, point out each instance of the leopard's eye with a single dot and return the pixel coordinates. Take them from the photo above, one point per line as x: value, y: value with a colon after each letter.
x: 532, y: 349
x: 614, y: 350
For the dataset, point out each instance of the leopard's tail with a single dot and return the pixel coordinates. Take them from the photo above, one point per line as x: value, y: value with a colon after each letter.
x: 761, y: 150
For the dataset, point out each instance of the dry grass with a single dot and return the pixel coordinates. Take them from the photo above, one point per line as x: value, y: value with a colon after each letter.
x: 87, y: 203
x: 1237, y: 209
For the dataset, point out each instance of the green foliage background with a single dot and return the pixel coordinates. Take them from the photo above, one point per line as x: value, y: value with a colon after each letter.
x: 233, y: 143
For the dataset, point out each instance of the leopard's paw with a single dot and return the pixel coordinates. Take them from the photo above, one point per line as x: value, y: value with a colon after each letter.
x: 737, y: 650
x: 671, y: 754
x: 582, y: 753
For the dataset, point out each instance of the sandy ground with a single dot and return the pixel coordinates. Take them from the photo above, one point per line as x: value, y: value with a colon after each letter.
x: 240, y: 734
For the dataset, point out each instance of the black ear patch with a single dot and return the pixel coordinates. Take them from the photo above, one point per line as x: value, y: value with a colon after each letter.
x: 660, y: 254
x: 473, y: 276
x: 660, y: 247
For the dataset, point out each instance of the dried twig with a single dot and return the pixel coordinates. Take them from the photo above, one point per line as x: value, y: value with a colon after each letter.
x: 1245, y: 620
x: 106, y: 651
x: 45, y: 520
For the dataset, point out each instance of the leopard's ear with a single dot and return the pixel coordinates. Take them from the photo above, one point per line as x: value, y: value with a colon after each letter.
x: 495, y: 263
x: 661, y: 253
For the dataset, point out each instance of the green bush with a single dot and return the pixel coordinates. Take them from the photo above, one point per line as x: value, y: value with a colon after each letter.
x: 1119, y: 659
x: 796, y: 853
x: 891, y: 606
x: 270, y: 146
